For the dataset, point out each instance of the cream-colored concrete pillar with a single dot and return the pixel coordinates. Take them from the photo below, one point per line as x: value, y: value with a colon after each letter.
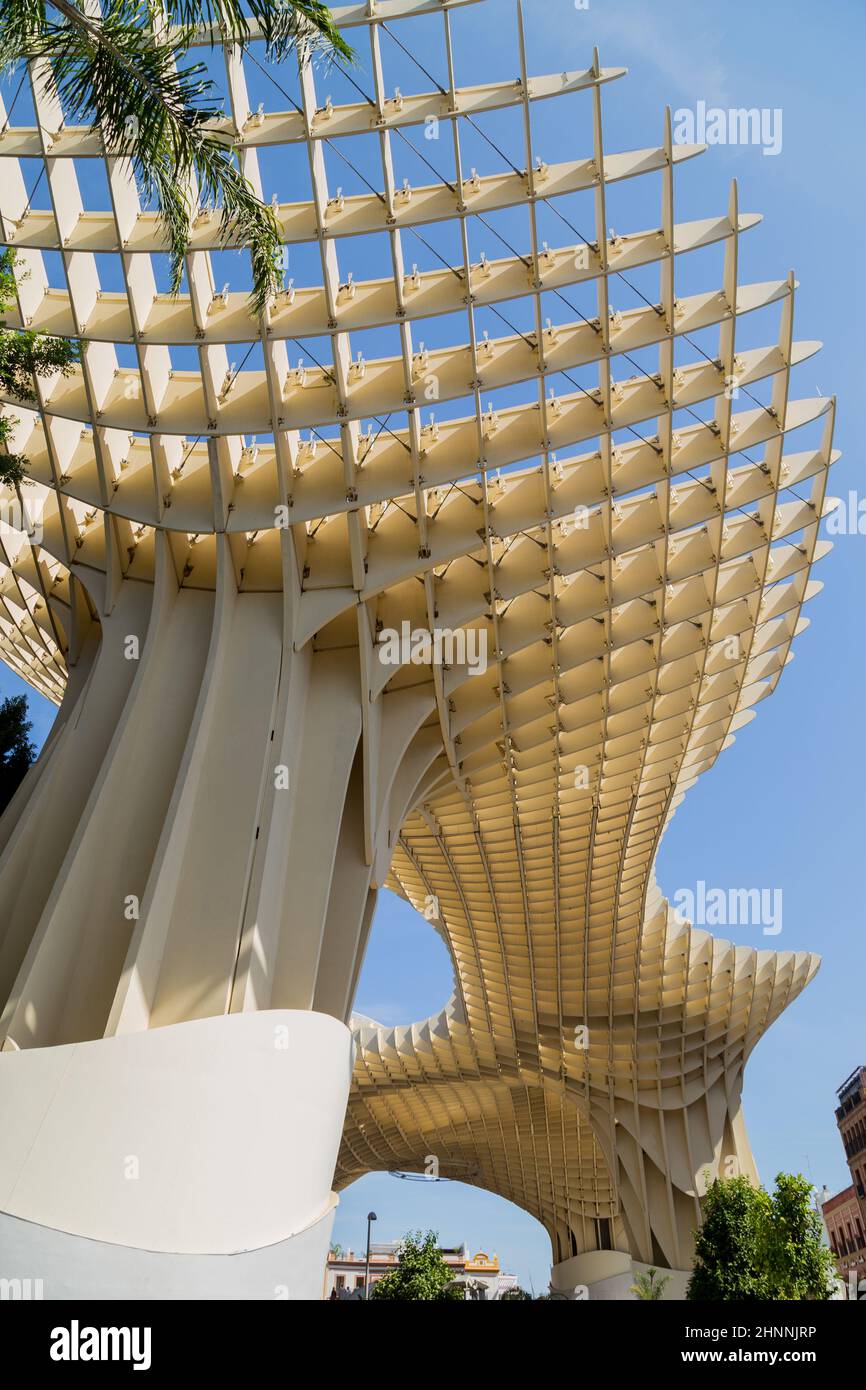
x: 194, y: 840
x: 185, y: 896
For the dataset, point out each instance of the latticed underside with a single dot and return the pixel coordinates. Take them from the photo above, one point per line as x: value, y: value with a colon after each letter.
x: 636, y: 569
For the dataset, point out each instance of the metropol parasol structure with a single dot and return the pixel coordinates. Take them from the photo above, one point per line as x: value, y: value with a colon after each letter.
x: 190, y: 869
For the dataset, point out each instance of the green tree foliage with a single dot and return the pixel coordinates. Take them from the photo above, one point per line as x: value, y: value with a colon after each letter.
x: 16, y: 750
x: 23, y: 357
x: 728, y: 1261
x: 799, y: 1264
x: 124, y: 70
x: 754, y: 1247
x: 421, y: 1273
x: 516, y: 1295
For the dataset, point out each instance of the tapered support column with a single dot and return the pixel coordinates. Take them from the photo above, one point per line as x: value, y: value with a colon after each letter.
x: 199, y: 837
x: 186, y: 886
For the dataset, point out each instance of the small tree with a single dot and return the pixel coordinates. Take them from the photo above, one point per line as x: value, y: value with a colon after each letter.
x: 799, y: 1264
x: 421, y: 1273
x: 650, y: 1286
x: 728, y: 1255
x: 16, y: 750
x: 515, y: 1295
x: 753, y: 1247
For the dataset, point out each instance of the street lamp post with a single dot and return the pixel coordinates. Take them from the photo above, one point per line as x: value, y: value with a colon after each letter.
x: 371, y: 1217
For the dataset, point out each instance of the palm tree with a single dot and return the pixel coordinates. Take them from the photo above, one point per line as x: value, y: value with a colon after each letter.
x: 123, y: 71
x: 650, y: 1286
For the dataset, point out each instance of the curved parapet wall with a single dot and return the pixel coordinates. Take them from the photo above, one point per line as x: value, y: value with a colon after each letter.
x: 70, y: 1267
x: 204, y: 1139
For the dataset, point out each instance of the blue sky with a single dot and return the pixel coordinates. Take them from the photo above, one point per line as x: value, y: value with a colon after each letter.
x: 784, y: 806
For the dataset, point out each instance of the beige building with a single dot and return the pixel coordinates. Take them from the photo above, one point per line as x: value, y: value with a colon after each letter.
x: 844, y: 1224
x: 346, y: 1272
x: 851, y: 1119
x: 844, y: 1214
x: 467, y: 621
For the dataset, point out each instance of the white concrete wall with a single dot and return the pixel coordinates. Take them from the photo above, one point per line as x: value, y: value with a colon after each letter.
x: 213, y: 1137
x: 609, y: 1274
x: 605, y: 1273
x: 60, y: 1266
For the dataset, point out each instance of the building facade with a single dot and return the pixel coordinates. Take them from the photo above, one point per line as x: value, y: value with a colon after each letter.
x: 844, y: 1214
x: 601, y: 563
x: 845, y: 1231
x: 346, y: 1272
x: 851, y: 1119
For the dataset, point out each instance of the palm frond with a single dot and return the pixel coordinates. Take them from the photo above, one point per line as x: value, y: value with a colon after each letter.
x: 283, y: 24
x: 125, y: 72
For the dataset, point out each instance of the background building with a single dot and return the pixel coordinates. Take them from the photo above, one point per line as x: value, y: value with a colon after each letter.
x: 851, y: 1119
x: 346, y: 1271
x: 844, y: 1214
x: 845, y: 1232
